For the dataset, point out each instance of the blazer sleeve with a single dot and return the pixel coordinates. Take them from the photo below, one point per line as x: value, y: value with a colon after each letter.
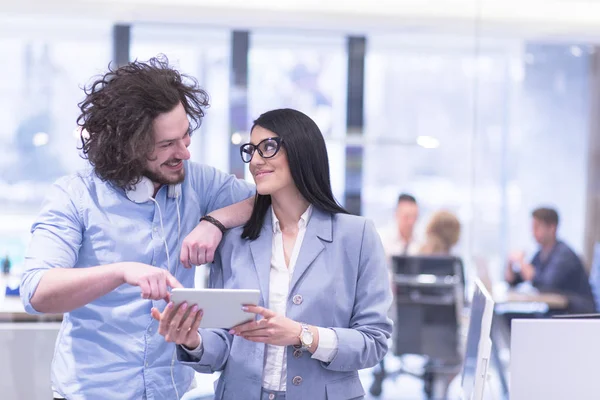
x: 212, y: 354
x: 364, y: 343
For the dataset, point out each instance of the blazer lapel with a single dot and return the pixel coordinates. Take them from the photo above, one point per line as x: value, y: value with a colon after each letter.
x: 261, y: 250
x: 320, y: 226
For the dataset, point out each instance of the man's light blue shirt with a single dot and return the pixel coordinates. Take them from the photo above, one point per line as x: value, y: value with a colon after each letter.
x: 110, y: 348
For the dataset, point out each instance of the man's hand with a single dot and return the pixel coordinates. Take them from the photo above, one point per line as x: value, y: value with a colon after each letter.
x: 271, y: 329
x: 517, y: 256
x: 152, y: 281
x: 179, y: 326
x: 514, y: 258
x: 527, y: 272
x: 200, y: 245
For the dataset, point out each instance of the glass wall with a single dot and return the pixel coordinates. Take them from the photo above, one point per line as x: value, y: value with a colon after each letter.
x: 480, y: 133
x: 50, y: 61
x: 548, y: 138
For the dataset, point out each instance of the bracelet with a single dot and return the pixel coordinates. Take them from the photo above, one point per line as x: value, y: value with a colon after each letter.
x: 215, y: 222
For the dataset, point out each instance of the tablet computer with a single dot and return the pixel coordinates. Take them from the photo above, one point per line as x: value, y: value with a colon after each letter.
x: 222, y: 307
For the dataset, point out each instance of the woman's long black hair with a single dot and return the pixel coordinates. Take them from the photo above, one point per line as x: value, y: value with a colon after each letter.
x: 308, y: 161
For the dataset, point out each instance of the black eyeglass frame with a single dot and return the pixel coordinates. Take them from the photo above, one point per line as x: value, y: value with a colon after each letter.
x: 255, y: 147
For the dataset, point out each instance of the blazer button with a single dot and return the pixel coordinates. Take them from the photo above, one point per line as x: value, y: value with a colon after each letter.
x: 297, y: 299
x: 297, y: 353
x: 297, y: 380
x: 297, y: 346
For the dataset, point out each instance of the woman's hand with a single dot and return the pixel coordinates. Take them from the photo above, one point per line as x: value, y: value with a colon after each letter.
x: 271, y: 329
x: 179, y: 326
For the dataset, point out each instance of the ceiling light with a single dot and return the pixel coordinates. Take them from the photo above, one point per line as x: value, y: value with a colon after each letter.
x: 428, y: 142
x: 236, y: 138
x: 40, y: 139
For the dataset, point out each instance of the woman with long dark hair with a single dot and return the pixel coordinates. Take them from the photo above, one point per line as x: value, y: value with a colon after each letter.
x: 322, y: 275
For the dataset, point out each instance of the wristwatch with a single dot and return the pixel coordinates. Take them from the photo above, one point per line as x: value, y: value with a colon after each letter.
x: 306, y: 337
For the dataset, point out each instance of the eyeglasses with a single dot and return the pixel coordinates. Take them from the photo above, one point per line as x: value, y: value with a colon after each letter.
x: 267, y: 148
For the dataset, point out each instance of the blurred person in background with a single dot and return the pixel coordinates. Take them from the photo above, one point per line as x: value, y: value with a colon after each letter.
x: 441, y: 234
x: 555, y: 267
x: 105, y: 248
x: 400, y: 239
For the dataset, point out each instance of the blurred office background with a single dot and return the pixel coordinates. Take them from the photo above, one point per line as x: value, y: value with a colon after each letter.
x: 487, y: 108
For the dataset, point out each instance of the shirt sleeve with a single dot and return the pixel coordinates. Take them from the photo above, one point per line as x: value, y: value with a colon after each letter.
x: 217, y: 189
x: 56, y: 238
x: 328, y: 345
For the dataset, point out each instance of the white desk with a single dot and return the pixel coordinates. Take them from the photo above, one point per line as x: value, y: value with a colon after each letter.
x: 26, y: 351
x: 555, y: 359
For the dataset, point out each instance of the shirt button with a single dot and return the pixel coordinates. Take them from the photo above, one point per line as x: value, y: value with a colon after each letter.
x: 297, y: 299
x: 271, y: 396
x: 297, y: 380
x: 297, y: 353
x: 155, y: 229
x: 147, y: 364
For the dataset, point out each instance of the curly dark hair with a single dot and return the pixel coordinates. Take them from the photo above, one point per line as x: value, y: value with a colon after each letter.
x: 118, y: 112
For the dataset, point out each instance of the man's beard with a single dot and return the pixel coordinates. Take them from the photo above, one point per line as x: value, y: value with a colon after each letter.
x: 162, y: 179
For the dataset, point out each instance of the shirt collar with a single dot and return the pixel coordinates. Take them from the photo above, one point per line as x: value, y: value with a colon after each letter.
x: 301, y: 224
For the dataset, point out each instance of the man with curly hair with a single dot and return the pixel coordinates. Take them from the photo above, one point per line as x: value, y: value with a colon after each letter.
x: 107, y: 244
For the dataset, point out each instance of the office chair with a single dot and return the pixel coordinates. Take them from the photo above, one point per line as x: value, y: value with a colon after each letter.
x: 429, y: 298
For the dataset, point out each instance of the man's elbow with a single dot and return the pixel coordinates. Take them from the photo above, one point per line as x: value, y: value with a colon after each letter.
x: 40, y: 304
x: 35, y: 303
x: 32, y: 297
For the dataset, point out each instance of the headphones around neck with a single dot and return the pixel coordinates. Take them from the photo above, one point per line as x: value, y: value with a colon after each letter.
x: 143, y: 191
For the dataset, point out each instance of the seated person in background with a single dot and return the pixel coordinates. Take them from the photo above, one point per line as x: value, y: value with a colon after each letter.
x: 322, y: 274
x: 442, y: 233
x: 400, y: 238
x: 555, y: 267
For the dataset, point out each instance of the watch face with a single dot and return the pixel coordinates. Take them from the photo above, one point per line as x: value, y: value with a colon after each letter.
x: 307, y: 338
